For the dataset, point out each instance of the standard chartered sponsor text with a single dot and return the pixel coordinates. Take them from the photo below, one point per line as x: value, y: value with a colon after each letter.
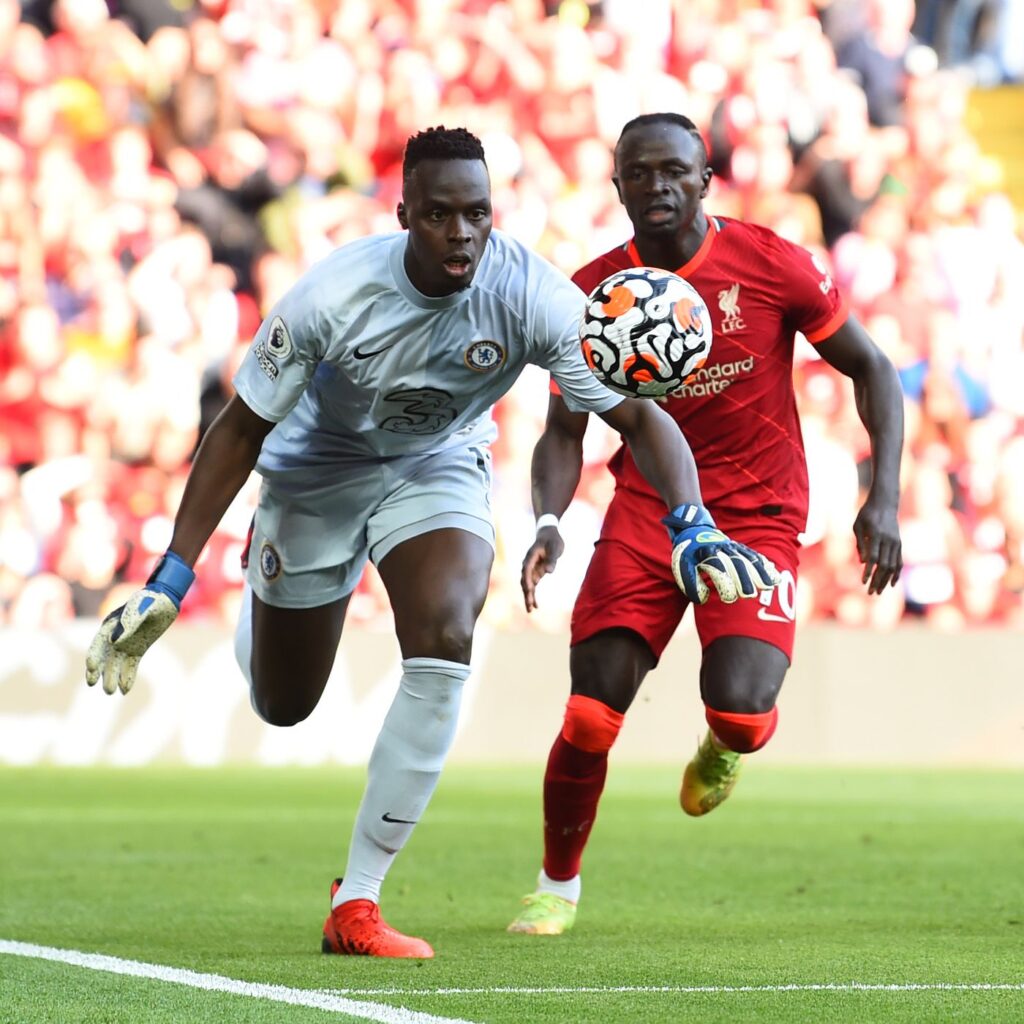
x: 714, y: 379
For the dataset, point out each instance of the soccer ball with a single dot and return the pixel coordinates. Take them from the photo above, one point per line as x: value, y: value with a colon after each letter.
x: 645, y: 332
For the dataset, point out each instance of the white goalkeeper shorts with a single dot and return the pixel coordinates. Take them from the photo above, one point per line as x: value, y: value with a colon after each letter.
x: 312, y: 536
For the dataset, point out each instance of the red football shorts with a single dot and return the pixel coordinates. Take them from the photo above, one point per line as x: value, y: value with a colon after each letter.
x: 629, y: 583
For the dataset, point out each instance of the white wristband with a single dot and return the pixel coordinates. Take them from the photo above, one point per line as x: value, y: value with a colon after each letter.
x: 548, y: 519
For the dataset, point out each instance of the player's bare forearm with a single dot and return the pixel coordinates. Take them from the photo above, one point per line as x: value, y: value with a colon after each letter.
x: 876, y: 388
x: 222, y: 465
x: 876, y: 528
x: 555, y: 474
x: 659, y: 450
x: 557, y: 459
x: 879, y: 398
x: 880, y: 407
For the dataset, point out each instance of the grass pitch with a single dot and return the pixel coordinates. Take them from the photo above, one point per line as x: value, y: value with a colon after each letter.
x: 804, y: 878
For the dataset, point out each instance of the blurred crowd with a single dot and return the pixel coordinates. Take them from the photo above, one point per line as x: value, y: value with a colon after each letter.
x: 167, y: 170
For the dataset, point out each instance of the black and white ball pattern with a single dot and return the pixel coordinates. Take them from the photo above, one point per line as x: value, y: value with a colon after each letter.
x: 645, y: 332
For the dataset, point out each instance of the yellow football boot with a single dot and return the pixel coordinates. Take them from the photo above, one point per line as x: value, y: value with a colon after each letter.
x: 709, y: 778
x: 544, y: 913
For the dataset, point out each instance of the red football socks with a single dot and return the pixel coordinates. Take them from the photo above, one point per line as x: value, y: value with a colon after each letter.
x: 574, y: 781
x: 742, y: 733
x: 573, y: 784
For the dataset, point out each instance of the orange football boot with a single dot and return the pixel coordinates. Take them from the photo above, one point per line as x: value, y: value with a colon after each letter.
x: 355, y: 928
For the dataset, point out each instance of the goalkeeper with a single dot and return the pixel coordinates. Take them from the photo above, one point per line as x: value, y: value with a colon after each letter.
x: 739, y: 416
x: 364, y: 402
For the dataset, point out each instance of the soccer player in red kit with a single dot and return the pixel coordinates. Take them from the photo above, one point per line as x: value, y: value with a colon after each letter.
x: 739, y: 415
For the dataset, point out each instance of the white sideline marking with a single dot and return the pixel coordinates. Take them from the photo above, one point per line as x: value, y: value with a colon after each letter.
x: 334, y: 999
x: 318, y: 999
x: 853, y: 986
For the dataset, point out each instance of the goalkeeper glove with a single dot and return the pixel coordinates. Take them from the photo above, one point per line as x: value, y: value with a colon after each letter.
x: 129, y: 631
x: 702, y: 554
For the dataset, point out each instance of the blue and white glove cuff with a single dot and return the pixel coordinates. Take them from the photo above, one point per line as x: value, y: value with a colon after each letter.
x: 692, y: 515
x: 171, y: 577
x: 687, y: 517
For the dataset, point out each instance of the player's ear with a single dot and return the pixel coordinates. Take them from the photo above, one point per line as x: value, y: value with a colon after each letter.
x: 402, y: 218
x: 615, y: 182
x: 706, y: 176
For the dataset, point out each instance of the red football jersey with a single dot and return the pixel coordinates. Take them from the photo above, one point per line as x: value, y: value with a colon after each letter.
x: 739, y: 413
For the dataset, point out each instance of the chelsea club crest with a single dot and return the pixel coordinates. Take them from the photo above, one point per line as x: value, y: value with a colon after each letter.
x: 270, y: 562
x: 484, y: 355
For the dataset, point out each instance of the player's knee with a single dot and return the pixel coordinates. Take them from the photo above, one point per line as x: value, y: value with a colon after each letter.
x: 741, y: 690
x: 448, y: 637
x: 281, y: 715
x: 740, y: 699
x: 743, y: 733
x: 610, y: 667
x: 455, y: 642
x: 590, y: 725
x: 277, y: 709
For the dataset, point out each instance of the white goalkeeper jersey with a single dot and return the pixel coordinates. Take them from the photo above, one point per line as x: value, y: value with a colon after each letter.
x: 355, y: 364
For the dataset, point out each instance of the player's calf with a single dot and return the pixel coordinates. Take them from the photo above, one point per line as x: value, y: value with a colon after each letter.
x: 573, y: 782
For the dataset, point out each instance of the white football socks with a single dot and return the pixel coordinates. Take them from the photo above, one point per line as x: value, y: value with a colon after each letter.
x: 403, y: 771
x: 243, y: 636
x: 568, y: 890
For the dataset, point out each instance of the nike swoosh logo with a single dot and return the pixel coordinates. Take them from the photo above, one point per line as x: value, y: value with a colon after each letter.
x: 376, y: 352
x: 769, y: 617
x: 396, y: 821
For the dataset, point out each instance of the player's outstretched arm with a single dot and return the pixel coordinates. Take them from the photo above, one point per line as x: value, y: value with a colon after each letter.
x: 703, y: 558
x: 223, y: 463
x: 659, y: 449
x: 876, y: 388
x: 555, y: 474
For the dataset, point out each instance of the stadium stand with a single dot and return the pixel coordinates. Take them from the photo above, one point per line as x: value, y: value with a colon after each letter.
x: 167, y: 170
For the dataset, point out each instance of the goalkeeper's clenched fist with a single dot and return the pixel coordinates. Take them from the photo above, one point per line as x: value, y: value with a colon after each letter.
x: 702, y: 555
x: 129, y: 631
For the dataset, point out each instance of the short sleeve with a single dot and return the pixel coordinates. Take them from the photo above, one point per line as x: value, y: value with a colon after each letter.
x: 555, y: 327
x: 283, y: 356
x: 814, y: 303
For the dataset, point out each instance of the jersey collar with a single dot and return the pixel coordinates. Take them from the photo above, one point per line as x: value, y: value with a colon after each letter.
x: 396, y: 259
x: 692, y: 264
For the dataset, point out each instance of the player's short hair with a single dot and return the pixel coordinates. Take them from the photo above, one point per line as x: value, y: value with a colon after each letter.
x: 441, y: 143
x: 664, y: 117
